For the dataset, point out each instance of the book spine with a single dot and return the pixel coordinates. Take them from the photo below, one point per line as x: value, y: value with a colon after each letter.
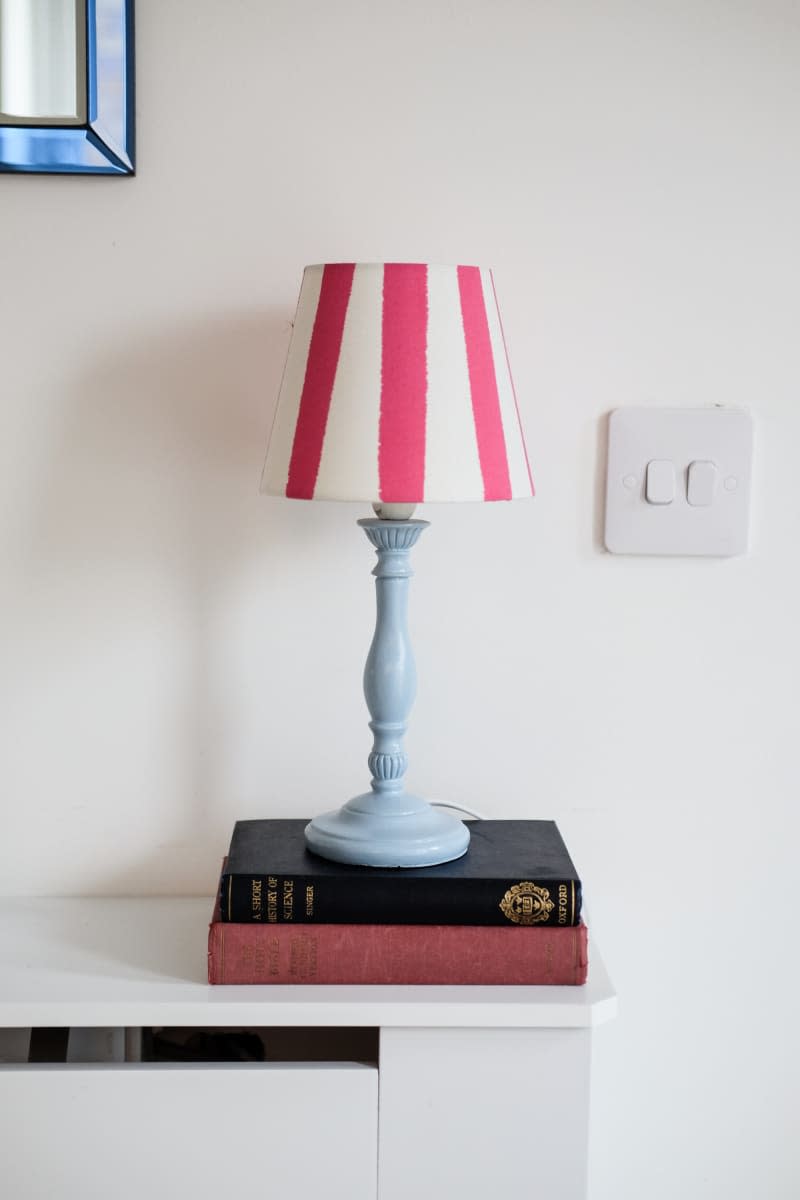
x: 397, y: 900
x: 395, y: 954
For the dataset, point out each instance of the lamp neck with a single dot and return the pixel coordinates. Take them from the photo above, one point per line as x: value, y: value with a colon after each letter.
x: 393, y: 512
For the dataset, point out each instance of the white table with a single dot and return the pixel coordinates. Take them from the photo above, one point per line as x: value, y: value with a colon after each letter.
x: 477, y: 1091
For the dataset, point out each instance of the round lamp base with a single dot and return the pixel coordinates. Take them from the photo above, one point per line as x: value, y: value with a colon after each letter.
x: 382, y: 831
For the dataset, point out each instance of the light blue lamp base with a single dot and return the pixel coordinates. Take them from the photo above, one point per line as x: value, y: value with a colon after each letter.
x: 388, y: 827
x: 362, y: 832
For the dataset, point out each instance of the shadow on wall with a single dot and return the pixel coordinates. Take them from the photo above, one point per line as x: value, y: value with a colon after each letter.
x: 149, y: 508
x: 159, y: 443
x: 599, y: 502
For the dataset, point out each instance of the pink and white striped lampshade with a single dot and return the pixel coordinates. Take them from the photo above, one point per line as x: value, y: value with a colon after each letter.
x: 397, y: 389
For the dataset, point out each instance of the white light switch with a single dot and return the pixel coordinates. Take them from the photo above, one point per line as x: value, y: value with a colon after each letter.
x: 678, y: 481
x: 660, y: 485
x: 701, y: 479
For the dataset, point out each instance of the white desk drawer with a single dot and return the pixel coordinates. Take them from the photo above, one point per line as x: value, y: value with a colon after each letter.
x: 203, y: 1131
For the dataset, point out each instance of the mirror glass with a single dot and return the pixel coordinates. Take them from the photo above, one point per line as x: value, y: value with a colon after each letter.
x: 66, y: 86
x: 41, y: 43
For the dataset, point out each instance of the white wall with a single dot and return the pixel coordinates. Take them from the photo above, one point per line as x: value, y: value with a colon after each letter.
x: 178, y: 652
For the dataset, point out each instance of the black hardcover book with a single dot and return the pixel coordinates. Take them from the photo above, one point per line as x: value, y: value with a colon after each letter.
x: 516, y: 872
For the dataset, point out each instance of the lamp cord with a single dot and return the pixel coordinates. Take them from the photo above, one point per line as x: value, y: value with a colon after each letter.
x: 458, y: 808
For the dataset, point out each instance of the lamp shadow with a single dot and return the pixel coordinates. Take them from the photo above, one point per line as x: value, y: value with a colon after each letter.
x: 148, y: 509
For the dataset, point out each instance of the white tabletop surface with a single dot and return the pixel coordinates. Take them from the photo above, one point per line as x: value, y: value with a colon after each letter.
x: 128, y: 962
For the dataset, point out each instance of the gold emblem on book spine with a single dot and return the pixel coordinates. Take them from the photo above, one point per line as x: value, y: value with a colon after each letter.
x: 527, y: 904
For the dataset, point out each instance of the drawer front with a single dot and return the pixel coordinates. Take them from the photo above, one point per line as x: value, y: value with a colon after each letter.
x: 480, y: 1114
x: 202, y: 1131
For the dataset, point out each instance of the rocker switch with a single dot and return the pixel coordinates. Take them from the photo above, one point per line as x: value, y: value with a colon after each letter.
x: 700, y: 481
x: 660, y: 486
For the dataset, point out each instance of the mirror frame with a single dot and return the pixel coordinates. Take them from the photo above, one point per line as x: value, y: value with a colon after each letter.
x: 94, y: 146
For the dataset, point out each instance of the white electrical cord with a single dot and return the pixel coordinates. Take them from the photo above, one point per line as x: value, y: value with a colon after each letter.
x: 458, y: 808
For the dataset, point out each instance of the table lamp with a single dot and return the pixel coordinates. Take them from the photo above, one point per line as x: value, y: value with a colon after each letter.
x: 396, y: 390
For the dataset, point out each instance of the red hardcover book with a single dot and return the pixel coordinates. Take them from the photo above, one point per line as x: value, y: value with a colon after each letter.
x: 396, y: 954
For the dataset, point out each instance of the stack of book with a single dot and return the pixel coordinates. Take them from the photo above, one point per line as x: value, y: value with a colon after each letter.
x: 508, y: 912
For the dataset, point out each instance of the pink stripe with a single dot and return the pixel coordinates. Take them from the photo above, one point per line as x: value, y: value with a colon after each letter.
x: 315, y: 401
x: 404, y: 383
x: 513, y: 389
x: 483, y: 385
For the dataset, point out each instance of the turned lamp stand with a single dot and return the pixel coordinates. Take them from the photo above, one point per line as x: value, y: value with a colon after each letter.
x: 387, y: 826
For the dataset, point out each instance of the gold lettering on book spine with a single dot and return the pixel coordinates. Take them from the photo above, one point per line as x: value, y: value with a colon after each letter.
x: 527, y: 904
x: 272, y: 898
x: 288, y: 899
x: 255, y: 899
x: 562, y: 904
x: 273, y: 956
x: 303, y: 957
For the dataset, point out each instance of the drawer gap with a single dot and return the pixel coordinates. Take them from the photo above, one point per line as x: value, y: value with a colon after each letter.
x: 176, y: 1044
x: 261, y: 1044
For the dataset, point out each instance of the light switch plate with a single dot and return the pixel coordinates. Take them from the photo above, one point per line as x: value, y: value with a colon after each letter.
x: 717, y: 435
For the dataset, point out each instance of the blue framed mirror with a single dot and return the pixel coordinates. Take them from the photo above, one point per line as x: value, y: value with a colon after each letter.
x: 67, y: 87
